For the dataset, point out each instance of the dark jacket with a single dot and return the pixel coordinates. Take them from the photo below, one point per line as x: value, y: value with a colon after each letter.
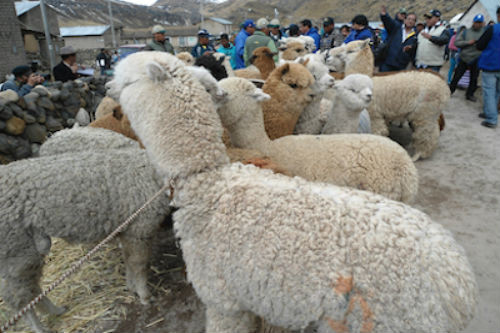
x: 64, y: 73
x: 198, y: 50
x: 359, y: 35
x: 396, y: 57
x: 490, y: 44
x: 17, y: 87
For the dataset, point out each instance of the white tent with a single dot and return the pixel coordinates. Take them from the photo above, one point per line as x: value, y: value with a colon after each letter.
x: 486, y: 7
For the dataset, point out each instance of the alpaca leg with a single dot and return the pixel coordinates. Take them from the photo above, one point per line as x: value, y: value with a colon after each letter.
x: 241, y: 322
x: 35, y: 323
x: 136, y: 254
x: 47, y: 306
x: 425, y: 139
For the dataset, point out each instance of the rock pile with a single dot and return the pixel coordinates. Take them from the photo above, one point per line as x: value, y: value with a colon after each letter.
x: 26, y: 122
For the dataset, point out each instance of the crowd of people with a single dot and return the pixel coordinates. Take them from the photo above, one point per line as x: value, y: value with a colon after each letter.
x: 399, y: 44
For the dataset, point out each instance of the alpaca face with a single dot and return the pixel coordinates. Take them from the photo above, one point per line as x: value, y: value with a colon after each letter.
x: 293, y: 50
x: 356, y: 91
x: 295, y: 80
x: 243, y: 99
x: 320, y: 72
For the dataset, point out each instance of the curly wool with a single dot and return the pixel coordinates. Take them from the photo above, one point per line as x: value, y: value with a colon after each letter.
x: 80, y: 139
x: 416, y: 97
x: 287, y: 250
x: 366, y: 162
x: 80, y: 197
x: 290, y: 89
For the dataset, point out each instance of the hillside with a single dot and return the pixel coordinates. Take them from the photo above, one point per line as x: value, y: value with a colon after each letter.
x: 89, y: 12
x: 340, y: 10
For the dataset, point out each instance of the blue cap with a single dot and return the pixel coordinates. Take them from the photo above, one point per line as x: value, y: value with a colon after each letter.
x: 479, y: 18
x: 248, y: 23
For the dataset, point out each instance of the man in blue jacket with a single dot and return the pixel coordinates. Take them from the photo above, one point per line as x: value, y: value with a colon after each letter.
x: 307, y: 29
x: 360, y: 30
x: 247, y: 30
x: 402, y: 40
x: 489, y: 63
x: 24, y: 80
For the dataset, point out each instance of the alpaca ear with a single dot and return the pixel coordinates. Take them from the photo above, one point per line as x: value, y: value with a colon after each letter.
x: 305, y: 62
x: 156, y: 72
x: 260, y: 96
x: 117, y: 112
x: 221, y: 60
x: 285, y: 69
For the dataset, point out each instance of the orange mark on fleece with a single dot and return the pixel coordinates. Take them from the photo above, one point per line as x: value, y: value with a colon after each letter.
x: 344, y: 285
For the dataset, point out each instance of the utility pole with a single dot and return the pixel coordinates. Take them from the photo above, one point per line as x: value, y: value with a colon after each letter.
x: 201, y: 13
x: 48, y: 40
x: 112, y: 24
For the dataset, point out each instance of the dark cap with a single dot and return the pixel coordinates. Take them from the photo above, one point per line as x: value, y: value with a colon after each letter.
x: 21, y: 70
x: 328, y: 21
x: 223, y: 36
x: 203, y: 33
x: 432, y: 13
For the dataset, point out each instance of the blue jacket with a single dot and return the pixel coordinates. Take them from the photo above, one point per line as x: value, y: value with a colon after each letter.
x: 359, y: 35
x: 239, y: 44
x: 396, y: 57
x: 317, y: 38
x: 20, y: 90
x: 198, y: 50
x: 229, y: 52
x: 490, y: 42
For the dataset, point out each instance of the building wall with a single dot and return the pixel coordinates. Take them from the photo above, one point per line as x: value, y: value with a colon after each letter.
x: 216, y: 28
x: 85, y: 42
x: 12, y: 47
x: 32, y: 20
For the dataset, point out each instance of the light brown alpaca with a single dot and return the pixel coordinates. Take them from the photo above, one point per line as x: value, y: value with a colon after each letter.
x: 293, y: 50
x: 289, y: 88
x: 262, y: 58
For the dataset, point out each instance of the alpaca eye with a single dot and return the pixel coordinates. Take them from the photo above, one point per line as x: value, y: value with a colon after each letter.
x: 293, y: 85
x: 298, y: 50
x: 352, y: 89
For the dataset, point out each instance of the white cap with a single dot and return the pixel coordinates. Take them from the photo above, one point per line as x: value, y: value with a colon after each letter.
x: 275, y: 22
x: 66, y: 50
x: 158, y: 29
x: 262, y: 23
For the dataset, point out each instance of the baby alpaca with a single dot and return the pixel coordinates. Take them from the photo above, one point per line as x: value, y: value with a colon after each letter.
x: 290, y: 89
x: 79, y: 197
x: 360, y: 161
x: 292, y: 252
x: 352, y: 95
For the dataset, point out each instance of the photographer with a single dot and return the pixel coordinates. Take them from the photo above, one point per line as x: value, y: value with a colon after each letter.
x: 24, y: 80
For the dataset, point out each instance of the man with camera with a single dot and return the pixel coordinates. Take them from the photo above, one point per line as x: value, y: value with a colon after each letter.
x: 24, y: 80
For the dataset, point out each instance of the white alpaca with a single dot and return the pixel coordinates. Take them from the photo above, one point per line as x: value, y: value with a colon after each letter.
x: 293, y: 252
x: 387, y: 168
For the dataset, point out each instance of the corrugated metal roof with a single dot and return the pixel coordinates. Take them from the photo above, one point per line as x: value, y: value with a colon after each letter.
x: 25, y: 6
x: 90, y: 30
x: 220, y: 20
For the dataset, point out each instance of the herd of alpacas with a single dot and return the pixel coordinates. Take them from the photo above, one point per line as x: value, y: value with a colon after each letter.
x: 288, y: 212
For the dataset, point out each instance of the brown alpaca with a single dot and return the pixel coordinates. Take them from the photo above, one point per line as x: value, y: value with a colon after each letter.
x: 262, y: 58
x: 106, y: 107
x: 117, y: 122
x: 289, y: 88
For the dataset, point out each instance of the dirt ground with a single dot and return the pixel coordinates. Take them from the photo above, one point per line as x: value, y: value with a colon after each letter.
x: 459, y: 188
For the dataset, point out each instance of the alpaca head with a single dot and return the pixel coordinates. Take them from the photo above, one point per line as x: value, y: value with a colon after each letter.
x: 290, y: 83
x: 214, y: 65
x: 243, y: 99
x: 355, y: 91
x: 339, y: 57
x: 320, y: 72
x: 262, y: 52
x: 293, y: 50
x: 186, y: 58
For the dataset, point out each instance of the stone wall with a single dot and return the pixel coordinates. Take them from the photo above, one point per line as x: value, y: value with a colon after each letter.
x: 26, y: 122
